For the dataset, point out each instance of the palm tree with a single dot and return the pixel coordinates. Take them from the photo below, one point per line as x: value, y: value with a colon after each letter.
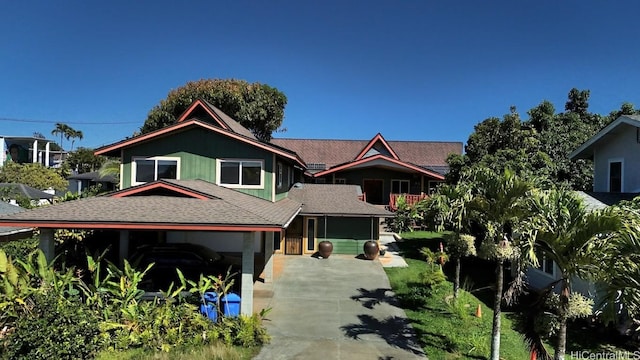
x: 498, y: 206
x: 450, y: 207
x: 62, y: 130
x: 74, y: 134
x: 111, y: 167
x: 570, y: 235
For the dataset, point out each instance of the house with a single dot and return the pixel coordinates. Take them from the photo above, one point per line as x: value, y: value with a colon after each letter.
x: 25, y: 149
x: 13, y: 233
x: 384, y: 169
x: 615, y: 152
x: 14, y: 193
x: 207, y: 180
x: 79, y: 183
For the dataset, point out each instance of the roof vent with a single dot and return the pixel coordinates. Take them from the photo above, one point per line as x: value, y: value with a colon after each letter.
x: 298, y: 185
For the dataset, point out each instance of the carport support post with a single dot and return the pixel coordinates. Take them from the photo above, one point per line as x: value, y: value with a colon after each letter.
x: 46, y: 244
x: 268, y: 257
x: 123, y: 250
x: 246, y: 291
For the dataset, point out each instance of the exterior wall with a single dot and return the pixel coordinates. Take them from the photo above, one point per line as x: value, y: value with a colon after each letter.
x: 198, y: 150
x: 348, y: 234
x: 290, y: 176
x: 624, y: 147
x: 222, y: 241
x: 538, y: 280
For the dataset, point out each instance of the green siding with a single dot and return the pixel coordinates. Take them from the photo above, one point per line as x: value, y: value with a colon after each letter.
x: 348, y: 234
x: 198, y: 150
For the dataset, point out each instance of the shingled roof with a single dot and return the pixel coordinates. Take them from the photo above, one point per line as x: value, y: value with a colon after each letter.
x: 333, y: 199
x: 14, y: 189
x: 224, y: 209
x: 6, y: 208
x: 334, y: 152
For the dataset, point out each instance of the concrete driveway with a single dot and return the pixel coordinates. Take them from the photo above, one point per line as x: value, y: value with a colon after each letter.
x: 336, y: 308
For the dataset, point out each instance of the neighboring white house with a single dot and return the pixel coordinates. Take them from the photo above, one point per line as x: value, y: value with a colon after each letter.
x: 615, y: 152
x: 25, y: 149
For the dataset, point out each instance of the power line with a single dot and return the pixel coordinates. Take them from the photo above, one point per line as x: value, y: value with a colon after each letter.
x: 67, y: 122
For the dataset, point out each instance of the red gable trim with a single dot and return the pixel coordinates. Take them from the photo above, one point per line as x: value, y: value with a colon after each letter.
x: 158, y: 185
x: 134, y: 226
x: 197, y: 103
x: 188, y: 123
x: 376, y: 157
x: 373, y: 141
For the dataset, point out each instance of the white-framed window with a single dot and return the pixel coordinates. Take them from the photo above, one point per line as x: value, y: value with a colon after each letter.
x: 245, y: 174
x: 340, y: 181
x: 291, y: 172
x: 545, y: 264
x: 615, y: 175
x: 399, y: 186
x: 147, y: 169
x: 279, y: 180
x: 321, y: 181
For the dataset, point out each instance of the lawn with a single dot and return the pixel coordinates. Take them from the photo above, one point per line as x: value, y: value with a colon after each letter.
x: 209, y: 352
x: 449, y: 329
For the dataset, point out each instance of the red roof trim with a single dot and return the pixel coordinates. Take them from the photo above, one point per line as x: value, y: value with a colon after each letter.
x: 193, y: 106
x: 376, y: 157
x: 188, y: 123
x: 134, y: 226
x: 373, y: 141
x: 158, y: 185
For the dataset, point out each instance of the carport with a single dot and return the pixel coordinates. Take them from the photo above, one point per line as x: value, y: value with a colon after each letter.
x: 179, y: 206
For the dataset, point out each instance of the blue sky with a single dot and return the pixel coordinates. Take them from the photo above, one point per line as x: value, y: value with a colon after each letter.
x: 412, y: 70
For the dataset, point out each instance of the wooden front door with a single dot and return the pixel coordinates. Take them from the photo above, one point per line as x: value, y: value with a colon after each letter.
x: 293, y: 238
x: 373, y: 188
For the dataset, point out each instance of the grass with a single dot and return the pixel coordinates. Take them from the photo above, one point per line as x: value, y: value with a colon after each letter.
x: 449, y: 329
x: 209, y: 352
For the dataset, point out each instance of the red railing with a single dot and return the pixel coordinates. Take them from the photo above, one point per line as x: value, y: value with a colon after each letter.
x: 411, y: 199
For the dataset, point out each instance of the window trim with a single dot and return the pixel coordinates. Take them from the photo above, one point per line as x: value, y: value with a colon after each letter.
x: 134, y: 167
x: 279, y: 168
x: 615, y: 160
x: 400, y: 187
x: 542, y: 261
x: 341, y: 181
x: 239, y: 186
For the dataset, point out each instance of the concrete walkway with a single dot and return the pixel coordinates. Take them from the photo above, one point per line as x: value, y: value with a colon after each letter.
x: 336, y: 308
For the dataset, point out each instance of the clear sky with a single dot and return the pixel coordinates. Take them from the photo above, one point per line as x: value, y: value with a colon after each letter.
x: 412, y: 70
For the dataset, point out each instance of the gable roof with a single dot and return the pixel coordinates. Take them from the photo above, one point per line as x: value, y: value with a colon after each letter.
x: 24, y: 190
x: 221, y: 209
x: 377, y: 145
x: 585, y: 151
x: 218, y: 116
x: 383, y: 161
x: 330, y: 153
x: 113, y: 149
x: 334, y: 200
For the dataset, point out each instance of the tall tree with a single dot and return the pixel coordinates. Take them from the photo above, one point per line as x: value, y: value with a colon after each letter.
x: 258, y: 107
x: 499, y: 206
x: 75, y: 134
x: 567, y: 233
x: 62, y: 130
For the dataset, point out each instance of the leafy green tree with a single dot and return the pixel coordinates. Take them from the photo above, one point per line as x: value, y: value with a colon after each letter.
x: 568, y: 234
x: 499, y: 206
x: 32, y: 174
x: 258, y: 107
x: 84, y: 160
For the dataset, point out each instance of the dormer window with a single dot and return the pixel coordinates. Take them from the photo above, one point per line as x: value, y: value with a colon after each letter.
x: 245, y: 174
x: 147, y: 169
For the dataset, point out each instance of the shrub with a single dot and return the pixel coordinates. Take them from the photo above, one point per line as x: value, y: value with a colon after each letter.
x: 53, y: 329
x: 20, y: 249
